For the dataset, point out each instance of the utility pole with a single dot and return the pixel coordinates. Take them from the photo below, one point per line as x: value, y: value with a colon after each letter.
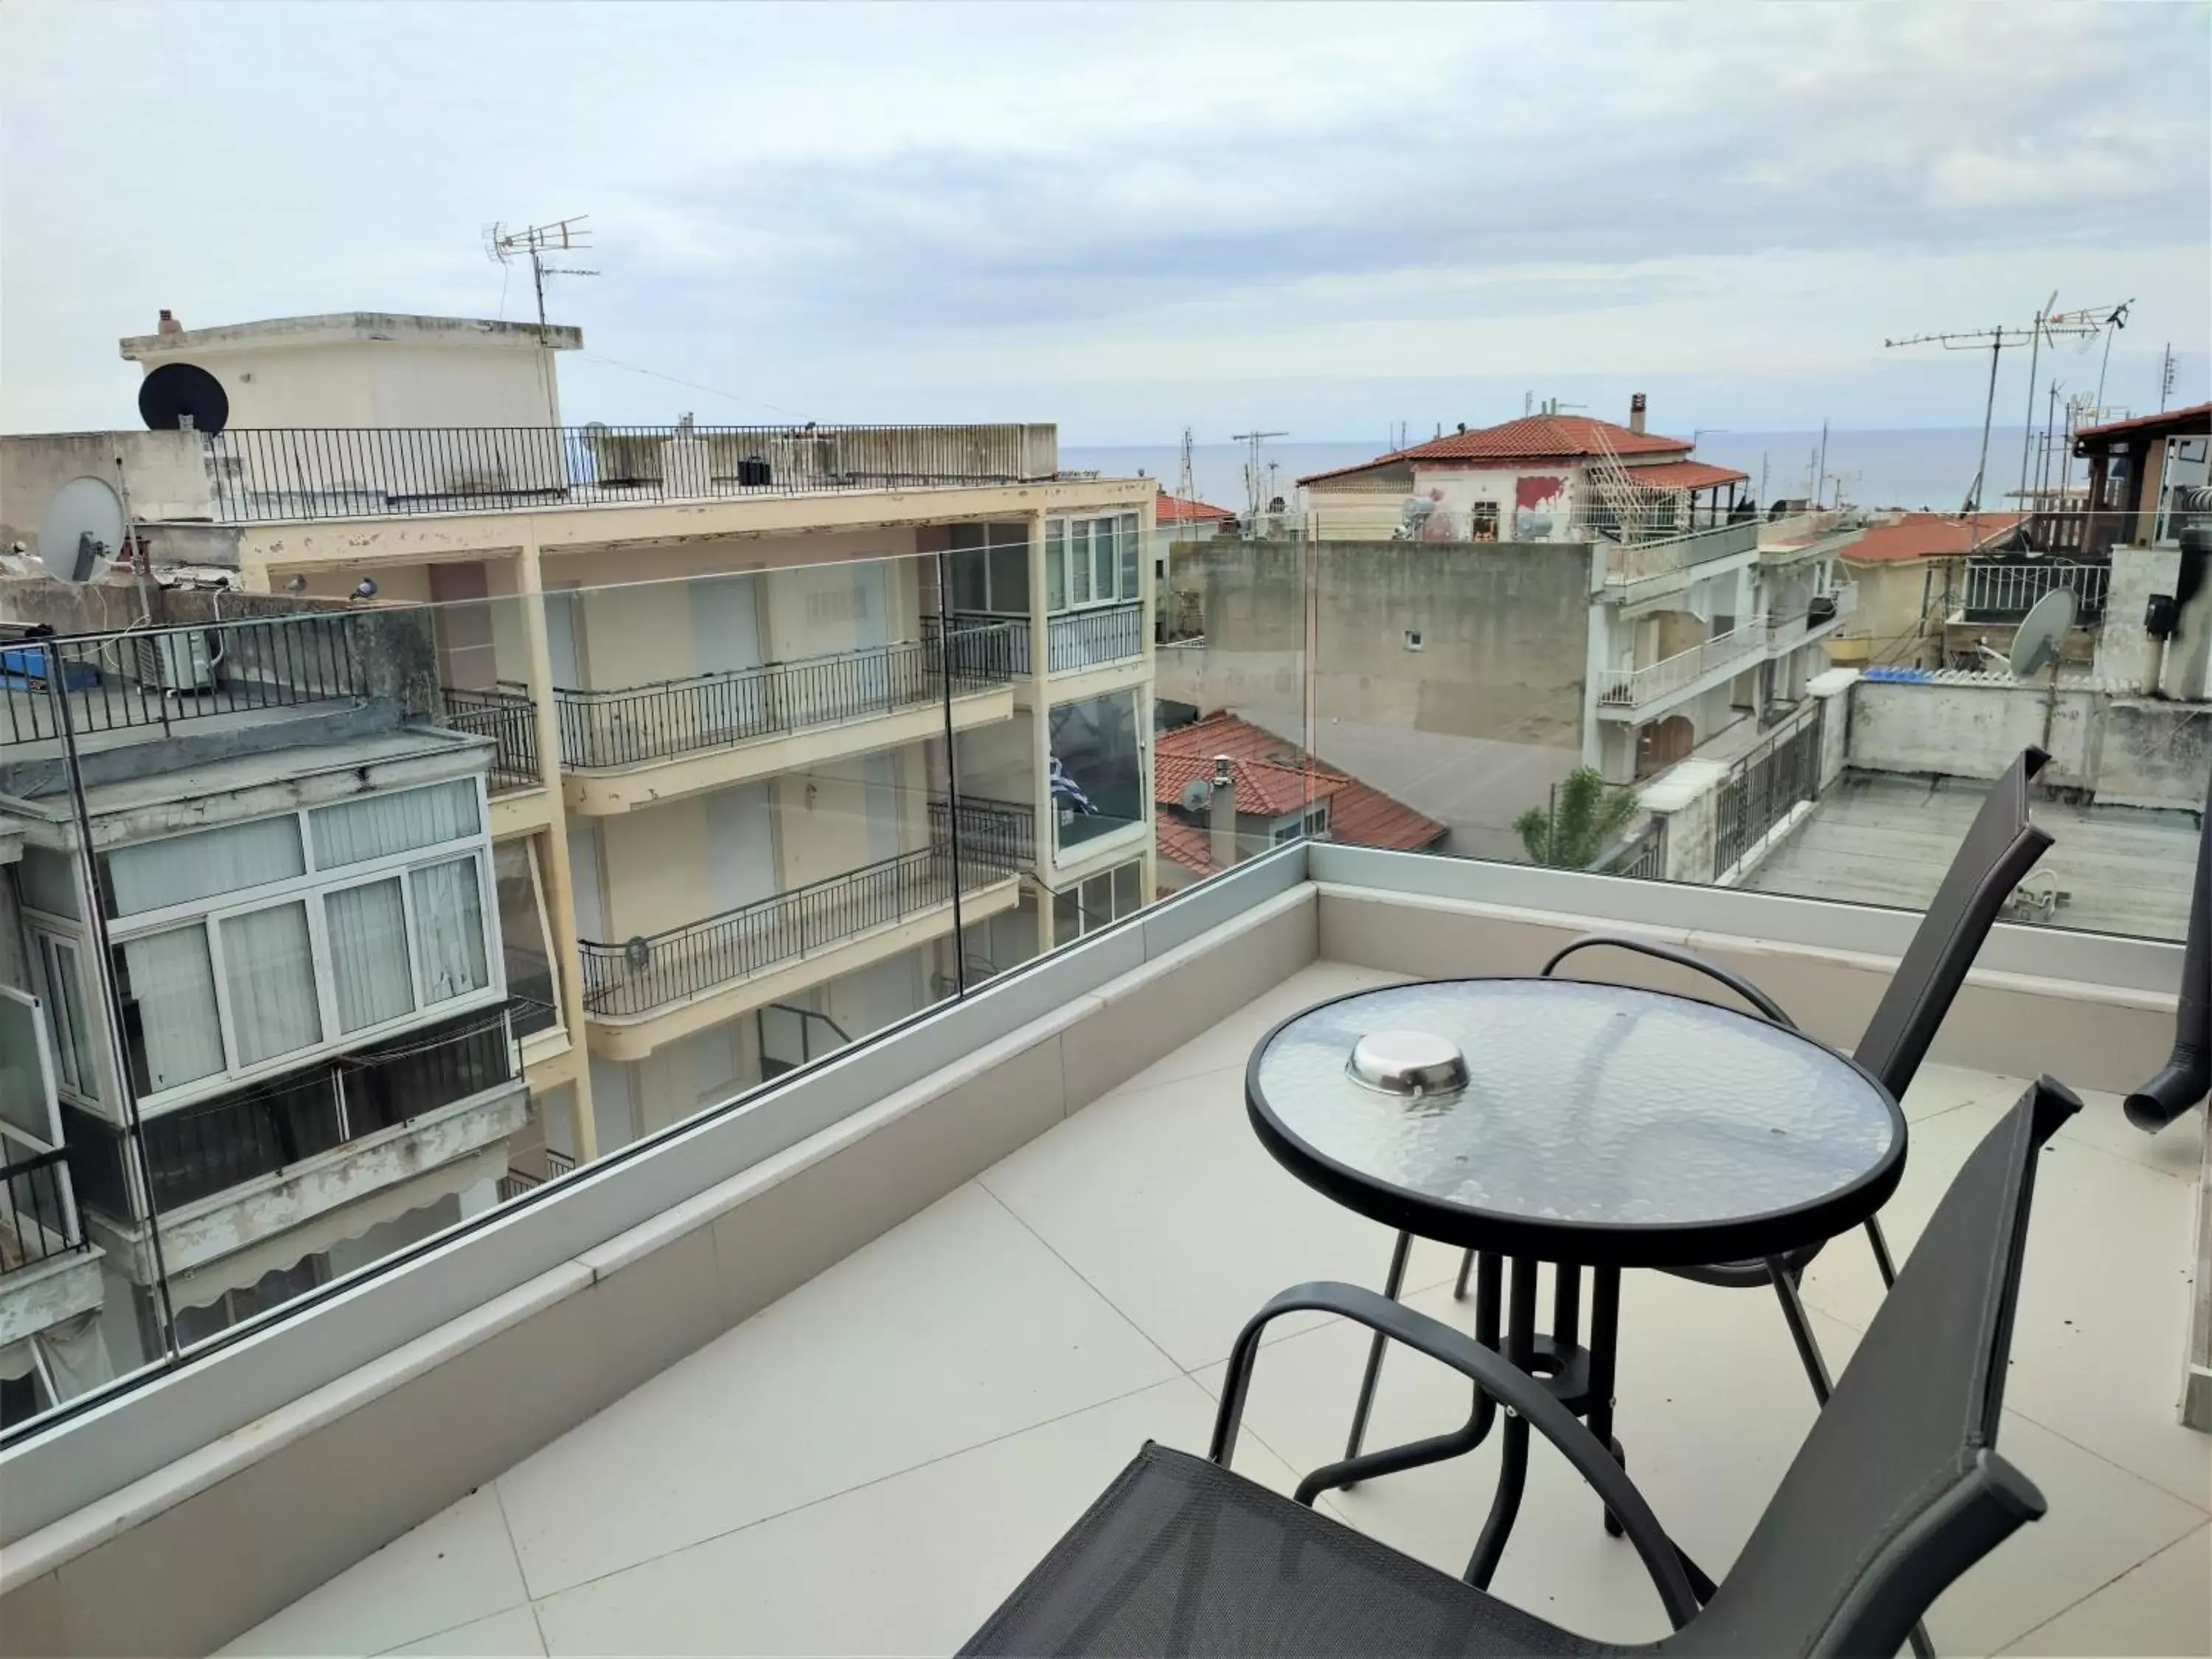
x: 2072, y: 325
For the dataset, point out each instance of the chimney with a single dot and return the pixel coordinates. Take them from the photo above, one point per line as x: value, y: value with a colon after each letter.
x: 170, y: 327
x: 1635, y: 412
x: 1221, y: 815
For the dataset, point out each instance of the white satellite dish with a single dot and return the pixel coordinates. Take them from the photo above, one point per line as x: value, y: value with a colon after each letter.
x: 2042, y: 632
x: 82, y: 530
x: 1197, y: 794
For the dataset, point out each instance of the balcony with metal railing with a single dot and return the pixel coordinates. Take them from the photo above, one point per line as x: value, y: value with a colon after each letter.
x: 1623, y: 693
x: 1824, y: 613
x: 726, y: 726
x: 274, y: 474
x: 509, y: 718
x: 2000, y: 592
x: 1076, y: 641
x: 823, y: 923
x: 1640, y: 565
x: 1001, y: 831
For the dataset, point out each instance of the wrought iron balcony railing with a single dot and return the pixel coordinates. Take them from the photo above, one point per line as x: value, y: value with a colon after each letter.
x: 652, y: 971
x: 352, y: 473
x: 636, y: 724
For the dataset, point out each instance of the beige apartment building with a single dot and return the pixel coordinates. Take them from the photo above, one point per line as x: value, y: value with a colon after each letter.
x: 737, y: 678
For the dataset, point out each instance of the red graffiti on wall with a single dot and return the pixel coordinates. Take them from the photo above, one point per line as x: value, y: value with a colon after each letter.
x: 1535, y: 491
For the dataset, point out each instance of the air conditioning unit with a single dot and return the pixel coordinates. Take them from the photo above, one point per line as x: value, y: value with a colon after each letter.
x: 178, y: 660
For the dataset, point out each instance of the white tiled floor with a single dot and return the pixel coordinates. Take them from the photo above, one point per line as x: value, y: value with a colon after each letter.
x: 870, y: 1464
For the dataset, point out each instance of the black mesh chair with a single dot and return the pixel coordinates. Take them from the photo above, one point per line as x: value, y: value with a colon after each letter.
x: 1897, y: 1490
x: 2000, y: 847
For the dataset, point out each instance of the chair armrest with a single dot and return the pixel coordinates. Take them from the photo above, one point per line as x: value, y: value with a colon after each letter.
x: 1736, y: 982
x: 1512, y: 1386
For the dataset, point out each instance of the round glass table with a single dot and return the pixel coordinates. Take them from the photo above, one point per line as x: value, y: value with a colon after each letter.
x: 1578, y: 1124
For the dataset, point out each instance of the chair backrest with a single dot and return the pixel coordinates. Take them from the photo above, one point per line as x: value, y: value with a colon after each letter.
x: 1898, y: 1489
x: 2000, y: 847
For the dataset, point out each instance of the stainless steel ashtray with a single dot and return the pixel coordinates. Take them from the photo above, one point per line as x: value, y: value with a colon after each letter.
x: 1408, y: 1063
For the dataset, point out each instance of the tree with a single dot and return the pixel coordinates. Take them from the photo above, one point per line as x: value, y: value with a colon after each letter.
x: 1585, y: 813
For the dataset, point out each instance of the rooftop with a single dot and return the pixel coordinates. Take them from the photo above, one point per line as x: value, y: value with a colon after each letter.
x: 1173, y: 509
x: 1932, y: 536
x: 349, y: 327
x: 2194, y: 418
x: 869, y: 1465
x: 1531, y: 438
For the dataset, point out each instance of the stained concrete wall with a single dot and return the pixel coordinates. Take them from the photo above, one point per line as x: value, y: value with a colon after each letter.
x: 165, y: 475
x: 1472, y: 726
x: 2127, y: 751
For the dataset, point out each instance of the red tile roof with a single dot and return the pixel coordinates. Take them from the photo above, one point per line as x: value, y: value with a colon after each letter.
x: 1930, y: 536
x: 1275, y: 777
x: 1531, y: 438
x: 2195, y: 418
x: 1685, y: 475
x: 1173, y: 509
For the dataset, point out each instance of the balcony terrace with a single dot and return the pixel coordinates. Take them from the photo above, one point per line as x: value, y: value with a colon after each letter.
x: 1631, y: 693
x: 909, y: 1307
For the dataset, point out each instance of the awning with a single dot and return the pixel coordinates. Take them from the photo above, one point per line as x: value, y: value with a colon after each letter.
x: 1683, y: 475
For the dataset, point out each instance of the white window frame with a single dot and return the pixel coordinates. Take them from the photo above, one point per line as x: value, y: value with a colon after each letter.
x: 312, y: 888
x: 43, y: 928
x: 1060, y: 536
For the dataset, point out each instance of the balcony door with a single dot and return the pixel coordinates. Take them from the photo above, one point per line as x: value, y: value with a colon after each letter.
x: 740, y: 847
x: 871, y: 631
x: 725, y: 642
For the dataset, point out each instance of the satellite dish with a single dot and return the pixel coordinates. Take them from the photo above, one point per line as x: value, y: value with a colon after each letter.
x: 178, y: 395
x: 1197, y: 794
x: 82, y: 530
x: 2042, y: 631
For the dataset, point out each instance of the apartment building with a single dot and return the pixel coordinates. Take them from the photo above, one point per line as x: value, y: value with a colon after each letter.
x: 794, y: 730
x: 249, y: 918
x: 1701, y: 609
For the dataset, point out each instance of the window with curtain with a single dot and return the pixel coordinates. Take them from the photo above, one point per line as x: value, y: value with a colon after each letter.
x: 449, y: 935
x: 369, y: 975
x: 166, y: 983
x: 268, y: 971
x: 382, y: 825
x: 156, y: 874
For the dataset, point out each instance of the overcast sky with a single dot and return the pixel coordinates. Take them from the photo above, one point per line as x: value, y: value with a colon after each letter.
x: 1129, y: 219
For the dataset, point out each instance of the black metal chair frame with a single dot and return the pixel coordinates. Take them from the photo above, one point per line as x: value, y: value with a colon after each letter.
x: 1940, y: 1498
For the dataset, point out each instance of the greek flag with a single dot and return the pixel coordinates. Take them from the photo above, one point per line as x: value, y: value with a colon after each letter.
x: 1065, y: 789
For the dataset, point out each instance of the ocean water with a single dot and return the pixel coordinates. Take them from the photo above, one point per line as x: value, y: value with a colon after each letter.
x: 1923, y: 467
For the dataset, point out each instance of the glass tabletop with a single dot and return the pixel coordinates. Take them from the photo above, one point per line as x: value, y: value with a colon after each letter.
x: 1586, y: 1106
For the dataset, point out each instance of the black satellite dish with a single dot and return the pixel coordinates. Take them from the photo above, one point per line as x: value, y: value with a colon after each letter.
x: 177, y: 393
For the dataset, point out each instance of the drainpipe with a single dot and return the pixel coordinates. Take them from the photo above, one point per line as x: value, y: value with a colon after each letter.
x: 1222, y: 814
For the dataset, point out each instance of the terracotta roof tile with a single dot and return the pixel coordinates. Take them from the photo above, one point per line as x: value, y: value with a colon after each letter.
x: 1685, y: 475
x: 2191, y: 419
x: 1173, y: 509
x: 1930, y: 536
x: 1531, y: 438
x: 1277, y: 777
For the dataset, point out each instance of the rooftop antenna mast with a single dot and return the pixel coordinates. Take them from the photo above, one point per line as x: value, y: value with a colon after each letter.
x: 1996, y: 340
x: 538, y: 244
x: 1186, y: 475
x: 1255, y: 469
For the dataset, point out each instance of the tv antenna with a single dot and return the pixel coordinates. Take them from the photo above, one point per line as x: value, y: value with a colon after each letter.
x: 1186, y: 473
x: 2049, y: 324
x: 1255, y: 469
x: 2166, y: 377
x: 536, y: 243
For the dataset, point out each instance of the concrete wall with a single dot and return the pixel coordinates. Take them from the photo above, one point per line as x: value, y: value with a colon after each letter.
x: 2126, y: 751
x: 1472, y: 728
x: 464, y: 378
x: 2128, y: 658
x: 164, y: 473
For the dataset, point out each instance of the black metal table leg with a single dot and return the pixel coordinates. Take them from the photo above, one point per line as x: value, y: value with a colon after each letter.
x: 1513, y: 1460
x: 1392, y: 1283
x: 1604, y: 1348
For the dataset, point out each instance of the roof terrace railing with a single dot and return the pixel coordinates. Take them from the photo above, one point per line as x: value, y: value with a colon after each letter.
x: 352, y: 473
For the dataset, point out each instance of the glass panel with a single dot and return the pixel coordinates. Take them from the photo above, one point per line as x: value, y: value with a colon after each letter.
x: 1104, y: 561
x: 1010, y: 570
x: 367, y: 931
x: 166, y: 983
x: 269, y: 967
x: 156, y: 874
x: 1129, y: 545
x: 971, y: 576
x: 26, y: 1095
x: 1128, y: 889
x: 383, y: 825
x: 449, y: 929
x: 531, y: 991
x: 1096, y: 770
x: 47, y: 881
x: 1055, y: 564
x: 1097, y: 899
x: 1079, y: 562
x: 1067, y: 917
x: 68, y: 1019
